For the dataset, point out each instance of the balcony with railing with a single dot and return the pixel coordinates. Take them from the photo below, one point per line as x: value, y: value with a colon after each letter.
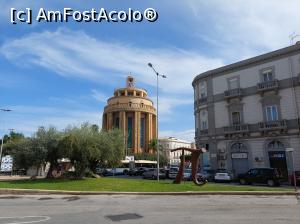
x: 272, y: 125
x: 202, y: 100
x: 203, y: 132
x: 236, y: 129
x: 231, y: 93
x: 269, y: 85
x: 200, y: 133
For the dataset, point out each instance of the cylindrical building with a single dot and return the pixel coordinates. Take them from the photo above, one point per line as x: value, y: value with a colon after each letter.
x: 131, y: 111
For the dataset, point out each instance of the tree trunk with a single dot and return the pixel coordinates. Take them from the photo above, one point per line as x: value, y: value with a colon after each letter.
x: 93, y: 166
x: 51, y: 168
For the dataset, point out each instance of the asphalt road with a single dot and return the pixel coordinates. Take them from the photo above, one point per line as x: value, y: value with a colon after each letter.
x: 149, y: 209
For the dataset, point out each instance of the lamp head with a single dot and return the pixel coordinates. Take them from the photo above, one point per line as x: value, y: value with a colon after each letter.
x: 164, y: 76
x: 150, y: 65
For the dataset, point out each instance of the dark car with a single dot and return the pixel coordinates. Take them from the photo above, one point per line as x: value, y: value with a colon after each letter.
x: 141, y: 170
x: 297, y: 176
x: 137, y: 171
x: 133, y: 172
x: 173, y: 172
x: 209, y: 174
x: 269, y: 176
x: 152, y: 174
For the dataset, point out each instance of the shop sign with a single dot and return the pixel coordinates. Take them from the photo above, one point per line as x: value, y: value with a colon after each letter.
x: 239, y: 155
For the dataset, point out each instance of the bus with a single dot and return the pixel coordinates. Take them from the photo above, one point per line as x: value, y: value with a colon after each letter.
x: 125, y: 166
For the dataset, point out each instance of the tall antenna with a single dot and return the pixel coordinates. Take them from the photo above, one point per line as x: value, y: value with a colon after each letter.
x: 292, y: 37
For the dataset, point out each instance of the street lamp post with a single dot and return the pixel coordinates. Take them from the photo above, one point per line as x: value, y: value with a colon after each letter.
x: 157, y: 146
x: 291, y: 150
x: 1, y: 148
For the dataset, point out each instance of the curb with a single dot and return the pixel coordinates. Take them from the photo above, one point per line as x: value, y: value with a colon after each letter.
x: 4, y: 191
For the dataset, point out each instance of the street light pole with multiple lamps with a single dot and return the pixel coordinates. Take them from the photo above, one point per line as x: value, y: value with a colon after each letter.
x: 157, y: 143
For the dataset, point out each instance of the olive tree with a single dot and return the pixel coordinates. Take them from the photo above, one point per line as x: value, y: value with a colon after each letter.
x: 112, y: 147
x: 28, y: 152
x: 81, y: 146
x: 49, y: 139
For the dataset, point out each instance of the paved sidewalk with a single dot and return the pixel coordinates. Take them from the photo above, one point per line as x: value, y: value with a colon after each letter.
x: 13, y: 177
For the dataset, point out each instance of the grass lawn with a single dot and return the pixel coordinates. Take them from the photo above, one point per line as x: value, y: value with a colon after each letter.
x: 126, y: 185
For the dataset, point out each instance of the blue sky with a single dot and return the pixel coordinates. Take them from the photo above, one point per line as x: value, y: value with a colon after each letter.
x: 62, y: 73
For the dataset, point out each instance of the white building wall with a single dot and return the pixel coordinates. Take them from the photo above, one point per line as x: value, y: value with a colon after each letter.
x: 253, y: 112
x: 287, y: 104
x: 296, y: 64
x: 297, y: 94
x: 221, y: 145
x: 247, y: 79
x: 251, y: 76
x: 295, y: 144
x: 221, y: 114
x: 169, y: 144
x: 257, y: 150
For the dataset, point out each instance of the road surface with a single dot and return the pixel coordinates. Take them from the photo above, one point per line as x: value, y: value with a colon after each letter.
x: 132, y: 209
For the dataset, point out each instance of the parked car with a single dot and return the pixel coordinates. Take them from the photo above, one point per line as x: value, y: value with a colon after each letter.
x: 269, y: 176
x: 115, y: 171
x: 141, y: 170
x: 223, y: 175
x: 100, y: 171
x: 297, y: 175
x: 209, y: 175
x: 173, y: 172
x: 137, y: 171
x: 152, y: 174
x: 133, y: 172
x: 187, y: 174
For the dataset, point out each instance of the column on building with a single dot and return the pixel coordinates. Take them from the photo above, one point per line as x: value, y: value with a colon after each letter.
x: 148, y: 131
x: 138, y: 131
x: 154, y: 134
x: 130, y: 133
x: 104, y: 122
x: 122, y: 115
x: 109, y: 121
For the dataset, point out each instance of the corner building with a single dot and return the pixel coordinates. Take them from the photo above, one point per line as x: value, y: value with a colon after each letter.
x: 131, y: 111
x: 247, y: 113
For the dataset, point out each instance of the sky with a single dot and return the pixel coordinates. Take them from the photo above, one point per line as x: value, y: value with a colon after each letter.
x: 61, y: 74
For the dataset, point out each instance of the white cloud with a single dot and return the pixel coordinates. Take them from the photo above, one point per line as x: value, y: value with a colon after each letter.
x: 167, y: 106
x: 241, y: 29
x: 99, y: 96
x: 234, y: 29
x: 78, y: 55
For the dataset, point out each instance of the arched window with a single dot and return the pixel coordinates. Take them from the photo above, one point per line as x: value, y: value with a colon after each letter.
x: 238, y: 147
x: 275, y: 145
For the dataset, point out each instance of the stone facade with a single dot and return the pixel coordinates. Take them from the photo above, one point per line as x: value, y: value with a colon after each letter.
x: 170, y: 143
x: 131, y: 111
x: 252, y: 111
